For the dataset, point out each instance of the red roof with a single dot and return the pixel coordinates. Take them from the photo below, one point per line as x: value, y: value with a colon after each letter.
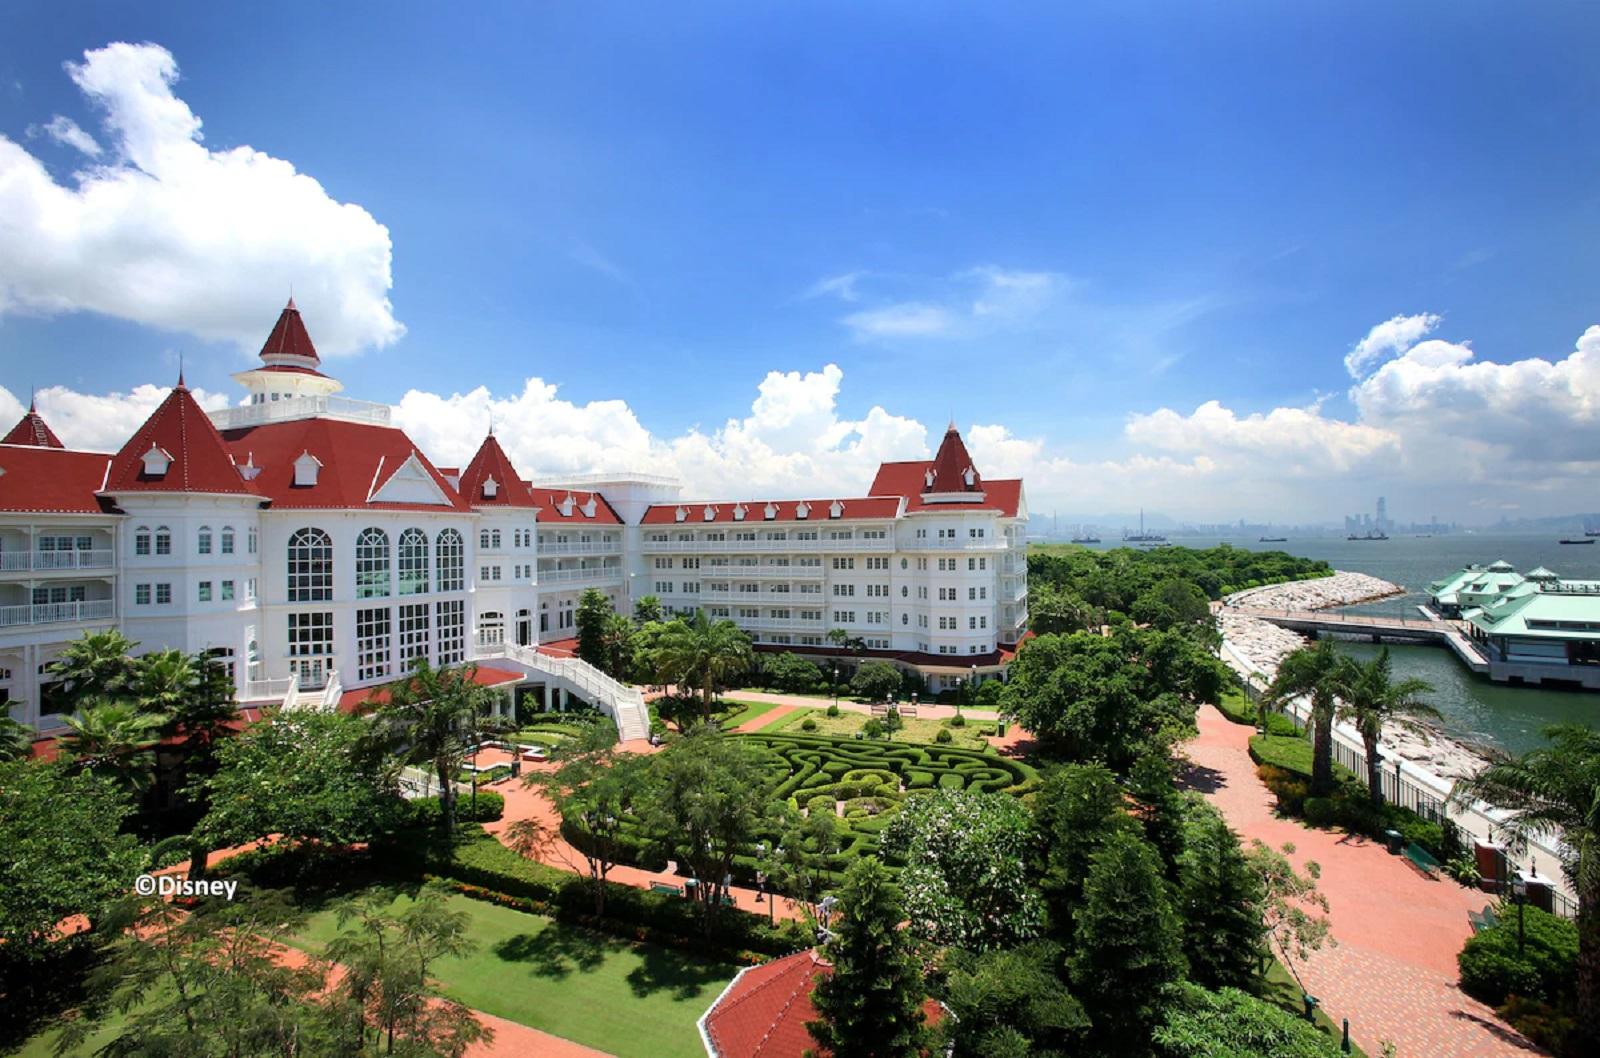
x: 491, y: 463
x: 763, y: 1013
x: 951, y: 465
x: 31, y: 429
x: 289, y: 338
x: 549, y: 502
x: 182, y: 432
x: 52, y: 480
x: 352, y: 701
x: 357, y: 460
x: 907, y: 479
x: 879, y: 508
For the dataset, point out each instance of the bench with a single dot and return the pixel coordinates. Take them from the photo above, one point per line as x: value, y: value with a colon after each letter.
x: 1482, y: 920
x: 666, y: 887
x: 1422, y: 860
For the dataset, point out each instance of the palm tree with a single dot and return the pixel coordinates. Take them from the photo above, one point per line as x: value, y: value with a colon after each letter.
x: 701, y: 653
x: 16, y: 739
x: 616, y: 642
x: 95, y: 665
x: 430, y: 717
x: 113, y: 738
x: 1313, y: 671
x: 164, y: 681
x: 1556, y: 788
x: 1373, y: 698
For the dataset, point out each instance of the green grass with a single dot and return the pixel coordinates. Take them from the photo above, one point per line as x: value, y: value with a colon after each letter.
x: 1280, y: 989
x: 743, y: 712
x: 44, y: 1044
x: 631, y: 1000
x: 1289, y: 752
x: 1236, y: 707
x: 917, y: 732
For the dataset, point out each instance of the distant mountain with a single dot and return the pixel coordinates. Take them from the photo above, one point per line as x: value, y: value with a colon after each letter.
x: 1559, y: 523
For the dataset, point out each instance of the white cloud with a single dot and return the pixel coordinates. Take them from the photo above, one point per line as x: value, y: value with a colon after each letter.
x: 96, y: 422
x: 973, y: 301
x: 910, y: 319
x: 1392, y: 336
x: 1299, y: 442
x: 596, y: 261
x: 1010, y: 293
x: 66, y: 131
x: 171, y: 234
x: 841, y: 286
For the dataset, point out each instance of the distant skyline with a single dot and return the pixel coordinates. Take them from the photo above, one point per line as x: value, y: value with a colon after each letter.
x: 1255, y: 260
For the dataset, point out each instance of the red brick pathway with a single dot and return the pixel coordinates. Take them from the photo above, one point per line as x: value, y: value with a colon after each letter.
x: 1393, y: 973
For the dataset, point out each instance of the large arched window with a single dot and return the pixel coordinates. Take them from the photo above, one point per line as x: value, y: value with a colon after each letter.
x: 141, y: 540
x: 413, y: 572
x: 227, y: 540
x: 203, y: 543
x: 310, y: 566
x: 372, y: 564
x: 163, y: 540
x: 452, y: 561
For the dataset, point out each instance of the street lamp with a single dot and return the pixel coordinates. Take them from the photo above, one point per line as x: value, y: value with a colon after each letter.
x: 834, y: 684
x: 1519, y: 894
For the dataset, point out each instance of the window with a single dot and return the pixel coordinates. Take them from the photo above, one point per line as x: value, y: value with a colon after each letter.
x: 494, y: 539
x: 310, y: 635
x: 163, y: 540
x: 141, y: 595
x: 844, y: 617
x: 452, y: 561
x: 205, y: 591
x: 227, y: 591
x: 310, y: 566
x: 163, y: 594
x: 483, y: 539
x: 372, y: 644
x: 372, y: 564
x: 413, y: 632
x: 413, y: 574
x: 250, y: 540
x: 141, y: 540
x: 452, y: 622
x: 227, y: 540
x: 844, y: 563
x: 250, y: 589
x: 203, y: 542
x: 844, y: 589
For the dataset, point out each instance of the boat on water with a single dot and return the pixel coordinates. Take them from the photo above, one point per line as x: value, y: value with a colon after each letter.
x: 1086, y: 540
x: 1272, y: 539
x: 1368, y: 536
x: 1585, y: 540
x: 1142, y: 537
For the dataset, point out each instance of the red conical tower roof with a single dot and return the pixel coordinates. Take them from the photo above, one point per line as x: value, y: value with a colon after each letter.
x: 183, y: 446
x: 31, y: 429
x: 289, y: 344
x: 489, y: 463
x: 951, y: 465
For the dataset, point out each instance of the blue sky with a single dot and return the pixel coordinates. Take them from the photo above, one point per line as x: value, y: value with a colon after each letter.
x: 1043, y: 218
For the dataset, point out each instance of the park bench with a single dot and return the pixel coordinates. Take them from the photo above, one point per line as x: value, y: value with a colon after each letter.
x: 666, y: 887
x: 1482, y: 920
x: 1422, y: 860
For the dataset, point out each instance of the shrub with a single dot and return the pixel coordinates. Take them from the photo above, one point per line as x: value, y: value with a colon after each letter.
x: 833, y: 710
x: 1280, y: 724
x: 808, y: 724
x: 424, y: 811
x: 1541, y: 1023
x: 169, y: 851
x: 943, y: 736
x: 957, y: 721
x: 873, y: 728
x: 1290, y: 790
x: 1492, y: 969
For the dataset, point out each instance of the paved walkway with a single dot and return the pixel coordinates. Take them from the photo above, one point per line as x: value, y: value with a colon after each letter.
x: 771, y: 716
x: 1393, y: 972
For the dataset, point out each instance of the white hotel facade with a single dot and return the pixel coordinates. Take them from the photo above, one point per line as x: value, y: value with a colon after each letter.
x: 313, y: 548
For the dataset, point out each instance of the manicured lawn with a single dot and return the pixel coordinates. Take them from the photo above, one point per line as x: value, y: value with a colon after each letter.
x: 630, y: 1000
x: 1289, y: 752
x: 44, y: 1044
x: 743, y: 713
x: 1236, y: 707
x: 918, y: 731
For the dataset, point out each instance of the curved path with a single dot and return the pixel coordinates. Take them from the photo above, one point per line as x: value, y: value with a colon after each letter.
x: 1393, y: 971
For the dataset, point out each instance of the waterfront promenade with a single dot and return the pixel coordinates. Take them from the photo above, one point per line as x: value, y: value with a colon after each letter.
x: 1427, y: 629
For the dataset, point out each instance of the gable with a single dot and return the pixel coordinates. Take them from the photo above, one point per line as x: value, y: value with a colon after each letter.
x: 409, y: 483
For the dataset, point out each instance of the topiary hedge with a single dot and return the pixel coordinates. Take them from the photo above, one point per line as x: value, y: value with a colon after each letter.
x: 424, y: 811
x: 1493, y: 968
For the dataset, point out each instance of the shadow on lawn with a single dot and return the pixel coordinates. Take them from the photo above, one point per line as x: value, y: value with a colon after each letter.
x: 685, y: 975
x: 556, y: 951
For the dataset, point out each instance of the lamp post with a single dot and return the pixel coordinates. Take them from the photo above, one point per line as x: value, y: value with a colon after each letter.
x: 834, y: 684
x: 1519, y: 894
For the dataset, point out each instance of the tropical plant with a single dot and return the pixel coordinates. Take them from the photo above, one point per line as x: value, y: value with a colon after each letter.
x: 1294, y: 914
x: 1315, y: 671
x: 1372, y: 699
x: 115, y: 739
x: 596, y: 792
x: 1231, y: 1023
x: 95, y: 665
x: 702, y: 654
x: 1220, y: 898
x: 1555, y: 789
x: 593, y: 609
x: 430, y: 718
x: 16, y: 739
x: 875, y: 681
x: 647, y: 609
x: 164, y: 680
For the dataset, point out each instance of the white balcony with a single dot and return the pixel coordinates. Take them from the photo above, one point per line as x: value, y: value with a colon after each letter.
x: 778, y: 623
x: 301, y: 408
x: 781, y: 572
x: 284, y: 691
x: 590, y: 547
x: 748, y: 547
x: 57, y: 613
x: 810, y: 601
x: 593, y: 575
x: 985, y: 543
x: 49, y: 561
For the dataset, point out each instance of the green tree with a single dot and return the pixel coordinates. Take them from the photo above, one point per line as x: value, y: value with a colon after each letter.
x: 1233, y: 1024
x: 870, y: 1006
x: 1011, y: 1002
x: 647, y: 609
x: 593, y: 610
x: 1077, y: 807
x: 875, y: 681
x: 96, y: 665
x: 164, y: 681
x: 1161, y: 807
x: 61, y: 852
x: 1294, y: 914
x: 704, y: 802
x: 1556, y: 789
x: 312, y: 777
x: 1372, y: 699
x: 797, y: 864
x: 1219, y: 897
x: 791, y: 672
x: 596, y: 792
x: 431, y: 717
x: 1314, y: 671
x: 703, y: 654
x: 966, y: 881
x: 616, y: 641
x: 16, y: 738
x: 1172, y: 603
x: 1127, y: 944
x: 1053, y: 611
x: 114, y: 739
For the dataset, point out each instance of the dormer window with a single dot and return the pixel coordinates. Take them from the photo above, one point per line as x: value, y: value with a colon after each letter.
x: 567, y: 505
x: 739, y: 513
x: 248, y: 469
x: 927, y: 479
x: 802, y: 510
x: 770, y: 511
x: 156, y: 462
x: 969, y: 477
x: 490, y: 488
x: 680, y: 514
x: 589, y: 506
x: 306, y: 467
x: 709, y: 513
x: 835, y: 509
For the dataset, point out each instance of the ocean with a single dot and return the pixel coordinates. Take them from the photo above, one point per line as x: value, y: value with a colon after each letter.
x: 1474, y: 709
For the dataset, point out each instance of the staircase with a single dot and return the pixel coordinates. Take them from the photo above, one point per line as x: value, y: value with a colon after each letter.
x: 623, y: 703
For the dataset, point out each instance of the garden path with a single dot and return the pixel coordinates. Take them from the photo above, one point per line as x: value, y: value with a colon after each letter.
x: 1393, y: 973
x: 771, y: 716
x: 925, y: 710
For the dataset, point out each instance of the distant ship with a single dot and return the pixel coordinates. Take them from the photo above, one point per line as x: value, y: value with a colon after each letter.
x: 1090, y: 539
x: 1371, y: 534
x: 1142, y: 537
x: 1586, y: 540
x: 1272, y: 540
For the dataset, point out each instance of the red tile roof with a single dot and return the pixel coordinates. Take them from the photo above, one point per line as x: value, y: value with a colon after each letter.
x: 906, y: 479
x: 289, y: 338
x: 52, y: 480
x: 353, y: 701
x: 31, y: 429
x: 357, y: 459
x: 951, y: 465
x: 763, y: 1013
x: 856, y: 508
x: 549, y: 502
x: 491, y: 462
x: 181, y: 430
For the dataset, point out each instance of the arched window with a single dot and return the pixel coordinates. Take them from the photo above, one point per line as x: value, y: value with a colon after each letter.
x: 413, y: 573
x: 310, y: 566
x: 227, y: 540
x: 163, y: 540
x: 252, y: 540
x: 452, y: 561
x: 483, y: 539
x: 141, y: 540
x: 203, y: 544
x: 372, y: 564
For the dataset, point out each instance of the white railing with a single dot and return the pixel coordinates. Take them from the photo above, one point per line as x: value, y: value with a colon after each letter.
x: 735, y: 572
x: 301, y: 408
x: 57, y: 612
x: 595, y: 574
x: 624, y: 703
x: 982, y: 543
x: 267, y: 690
x: 592, y: 547
x: 21, y: 561
x: 713, y: 547
x: 734, y: 598
x: 1423, y: 792
x: 780, y: 623
x: 331, y: 691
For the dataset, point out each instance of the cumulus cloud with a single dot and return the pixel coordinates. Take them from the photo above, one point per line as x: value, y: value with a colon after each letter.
x: 165, y: 232
x: 1392, y: 336
x: 96, y: 422
x: 1299, y: 441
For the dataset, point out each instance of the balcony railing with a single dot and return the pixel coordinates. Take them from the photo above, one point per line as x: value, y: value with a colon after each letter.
x: 41, y: 561
x: 776, y: 623
x: 724, y: 547
x: 789, y: 572
x: 301, y: 408
x: 591, y: 547
x: 284, y: 691
x: 983, y: 543
x: 747, y: 598
x: 592, y: 575
x: 57, y: 612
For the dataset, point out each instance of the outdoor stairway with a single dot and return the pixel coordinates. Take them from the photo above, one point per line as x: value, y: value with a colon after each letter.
x: 623, y: 703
